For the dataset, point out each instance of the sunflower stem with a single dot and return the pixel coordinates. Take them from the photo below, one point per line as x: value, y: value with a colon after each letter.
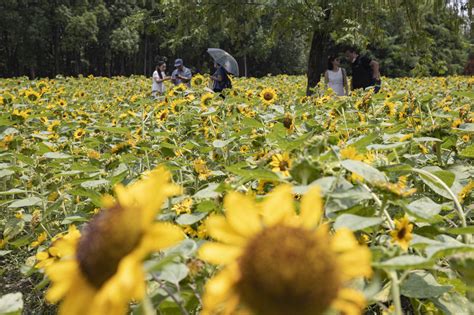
x: 382, y: 205
x: 171, y: 295
x: 457, y: 204
x: 396, y: 292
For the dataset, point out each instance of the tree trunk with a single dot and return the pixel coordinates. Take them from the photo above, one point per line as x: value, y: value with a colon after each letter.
x: 470, y: 9
x: 144, y: 55
x: 245, y: 65
x: 318, y: 56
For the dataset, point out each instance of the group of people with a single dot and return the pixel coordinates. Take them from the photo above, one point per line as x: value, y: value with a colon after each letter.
x: 365, y: 73
x: 183, y: 75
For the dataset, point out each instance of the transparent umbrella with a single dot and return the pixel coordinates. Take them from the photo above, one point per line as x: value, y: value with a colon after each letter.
x: 224, y: 59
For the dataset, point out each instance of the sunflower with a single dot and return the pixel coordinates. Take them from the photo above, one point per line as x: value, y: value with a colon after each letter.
x: 465, y: 191
x: 197, y: 80
x: 277, y: 262
x: 351, y: 153
x: 402, y: 234
x: 162, y: 115
x: 206, y: 99
x: 289, y: 122
x: 79, y: 133
x: 101, y: 271
x: 268, y: 96
x: 281, y: 164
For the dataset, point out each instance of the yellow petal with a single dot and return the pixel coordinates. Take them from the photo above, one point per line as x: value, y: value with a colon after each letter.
x: 218, y: 290
x: 42, y: 256
x: 219, y: 254
x: 349, y: 302
x: 79, y: 300
x: 64, y: 276
x: 344, y: 240
x: 219, y: 229
x: 354, y: 259
x: 278, y: 206
x: 159, y: 236
x: 311, y: 207
x: 242, y: 214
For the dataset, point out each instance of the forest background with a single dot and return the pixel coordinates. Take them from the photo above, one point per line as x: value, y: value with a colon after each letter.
x: 44, y: 38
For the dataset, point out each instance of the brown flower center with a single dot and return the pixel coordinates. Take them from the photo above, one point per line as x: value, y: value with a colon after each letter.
x: 401, y: 234
x: 287, y: 122
x: 288, y: 270
x: 283, y: 165
x: 268, y: 96
x: 110, y: 236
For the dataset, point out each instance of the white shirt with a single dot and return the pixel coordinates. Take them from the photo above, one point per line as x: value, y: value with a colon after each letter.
x: 336, y: 81
x: 158, y: 86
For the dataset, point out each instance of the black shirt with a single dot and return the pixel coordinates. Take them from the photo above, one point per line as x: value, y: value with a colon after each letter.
x: 362, y: 74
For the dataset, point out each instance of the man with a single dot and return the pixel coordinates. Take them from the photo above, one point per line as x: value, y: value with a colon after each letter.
x: 365, y: 71
x: 181, y: 74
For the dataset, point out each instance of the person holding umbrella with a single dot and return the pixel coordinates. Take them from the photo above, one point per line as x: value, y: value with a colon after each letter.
x: 224, y: 64
x: 221, y: 79
x: 181, y: 74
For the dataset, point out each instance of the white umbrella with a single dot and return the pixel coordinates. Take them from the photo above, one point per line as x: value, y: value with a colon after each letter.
x: 224, y: 59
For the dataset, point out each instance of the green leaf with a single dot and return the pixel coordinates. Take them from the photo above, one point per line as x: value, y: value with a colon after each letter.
x: 446, y: 176
x: 361, y: 144
x: 304, y: 172
x: 404, y: 262
x: 221, y: 143
x: 257, y: 173
x: 94, y: 183
x: 174, y: 273
x: 4, y: 252
x: 252, y: 123
x: 447, y: 247
x: 119, y: 130
x: 206, y: 206
x: 369, y: 173
x: 208, y: 192
x: 424, y: 208
x: 27, y: 202
x: 72, y: 219
x: 468, y: 152
x: 185, y: 249
x: 452, y: 303
x: 459, y: 230
x: 355, y: 222
x: 56, y: 155
x: 6, y: 172
x: 469, y: 127
x: 422, y: 285
x: 188, y: 219
x: 13, y: 191
x: 11, y: 304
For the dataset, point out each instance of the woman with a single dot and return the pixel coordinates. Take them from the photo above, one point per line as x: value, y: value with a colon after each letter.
x: 336, y: 77
x: 159, y: 78
x: 220, y: 78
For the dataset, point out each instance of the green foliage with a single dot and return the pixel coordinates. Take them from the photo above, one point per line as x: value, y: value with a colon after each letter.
x: 125, y: 37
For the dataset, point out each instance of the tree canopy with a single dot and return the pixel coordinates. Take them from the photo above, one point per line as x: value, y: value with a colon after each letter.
x: 123, y: 37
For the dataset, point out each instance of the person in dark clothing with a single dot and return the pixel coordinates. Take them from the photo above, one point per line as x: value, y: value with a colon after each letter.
x: 469, y: 68
x: 221, y: 79
x: 365, y: 71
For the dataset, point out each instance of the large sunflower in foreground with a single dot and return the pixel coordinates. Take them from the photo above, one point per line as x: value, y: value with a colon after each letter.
x: 277, y: 262
x: 101, y: 270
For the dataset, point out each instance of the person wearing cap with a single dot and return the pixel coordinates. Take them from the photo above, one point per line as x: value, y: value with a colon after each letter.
x: 181, y: 74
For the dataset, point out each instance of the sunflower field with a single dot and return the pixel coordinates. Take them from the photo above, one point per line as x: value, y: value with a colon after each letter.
x: 259, y: 201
